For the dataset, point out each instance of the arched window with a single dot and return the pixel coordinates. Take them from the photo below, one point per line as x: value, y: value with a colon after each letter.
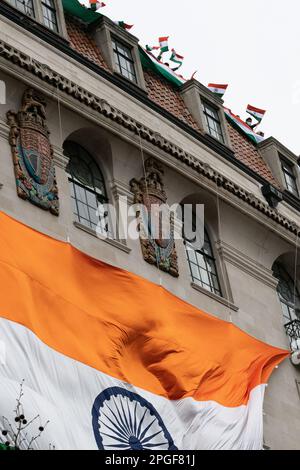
x: 288, y: 295
x: 87, y: 186
x: 203, y: 265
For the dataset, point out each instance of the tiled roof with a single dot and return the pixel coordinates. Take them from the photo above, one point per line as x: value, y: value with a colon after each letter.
x: 165, y: 95
x: 82, y: 42
x: 246, y: 152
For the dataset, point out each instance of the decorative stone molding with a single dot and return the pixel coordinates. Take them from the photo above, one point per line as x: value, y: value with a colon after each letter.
x: 51, y: 77
x: 246, y: 264
x: 120, y: 189
x: 32, y: 153
x: 60, y: 160
x: 149, y: 192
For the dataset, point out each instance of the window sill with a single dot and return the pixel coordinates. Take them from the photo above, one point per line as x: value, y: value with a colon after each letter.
x: 110, y: 241
x: 216, y: 297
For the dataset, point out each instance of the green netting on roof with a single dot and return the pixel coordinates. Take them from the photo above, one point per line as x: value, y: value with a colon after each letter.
x: 88, y: 16
x: 74, y: 8
x: 147, y: 63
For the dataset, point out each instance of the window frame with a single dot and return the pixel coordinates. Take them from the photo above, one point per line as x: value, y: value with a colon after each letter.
x: 101, y: 196
x: 287, y: 307
x: 39, y: 15
x: 52, y: 9
x: 115, y: 43
x: 288, y: 169
x: 216, y: 119
x: 105, y: 33
x: 210, y: 286
x: 14, y: 3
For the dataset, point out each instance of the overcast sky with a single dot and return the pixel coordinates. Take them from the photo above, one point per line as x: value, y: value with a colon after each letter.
x: 253, y: 46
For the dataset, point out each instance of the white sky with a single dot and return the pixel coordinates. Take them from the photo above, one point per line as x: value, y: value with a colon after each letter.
x: 252, y: 45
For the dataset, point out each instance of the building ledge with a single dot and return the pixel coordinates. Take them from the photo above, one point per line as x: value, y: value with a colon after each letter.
x: 216, y: 297
x: 115, y: 243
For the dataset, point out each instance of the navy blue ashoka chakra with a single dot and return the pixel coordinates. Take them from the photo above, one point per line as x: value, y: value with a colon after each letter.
x: 124, y: 420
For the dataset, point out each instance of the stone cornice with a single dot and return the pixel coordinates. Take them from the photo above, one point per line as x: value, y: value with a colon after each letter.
x: 46, y: 74
x: 271, y: 141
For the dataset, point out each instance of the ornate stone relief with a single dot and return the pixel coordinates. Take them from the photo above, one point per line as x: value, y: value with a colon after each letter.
x: 150, y: 194
x: 32, y: 153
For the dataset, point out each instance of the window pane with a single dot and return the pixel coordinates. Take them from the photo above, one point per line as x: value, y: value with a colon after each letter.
x: 195, y: 271
x: 26, y: 6
x: 191, y: 255
x: 203, y: 267
x: 213, y: 122
x: 92, y: 199
x: 49, y: 15
x: 289, y: 176
x: 124, y: 61
x: 287, y: 293
x: 87, y: 186
x: 80, y: 193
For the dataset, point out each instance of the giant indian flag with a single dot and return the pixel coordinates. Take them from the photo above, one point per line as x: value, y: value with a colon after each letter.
x: 116, y: 362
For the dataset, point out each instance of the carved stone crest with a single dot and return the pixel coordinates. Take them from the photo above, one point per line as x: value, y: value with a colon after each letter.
x: 33, y: 153
x: 157, y: 247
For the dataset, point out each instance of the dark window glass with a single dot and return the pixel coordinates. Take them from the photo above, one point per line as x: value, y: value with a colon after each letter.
x: 213, y: 121
x: 203, y: 266
x: 288, y: 295
x: 87, y: 188
x: 26, y: 6
x: 49, y: 15
x: 124, y: 61
x: 289, y: 176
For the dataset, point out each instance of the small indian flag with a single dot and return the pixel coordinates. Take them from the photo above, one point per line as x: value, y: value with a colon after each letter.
x: 163, y: 42
x: 95, y: 5
x: 178, y: 59
x: 124, y: 25
x: 217, y: 88
x: 257, y: 113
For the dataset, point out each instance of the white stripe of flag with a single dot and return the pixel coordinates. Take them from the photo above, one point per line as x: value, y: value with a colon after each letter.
x: 217, y: 88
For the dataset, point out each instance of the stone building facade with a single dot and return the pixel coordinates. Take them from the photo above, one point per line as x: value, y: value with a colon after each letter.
x: 79, y: 91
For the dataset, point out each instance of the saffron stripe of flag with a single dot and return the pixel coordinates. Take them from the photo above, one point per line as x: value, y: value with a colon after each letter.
x: 217, y: 88
x: 108, y: 368
x: 257, y: 113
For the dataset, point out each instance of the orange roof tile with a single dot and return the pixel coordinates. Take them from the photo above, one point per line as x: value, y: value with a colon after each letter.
x: 83, y: 42
x: 246, y: 152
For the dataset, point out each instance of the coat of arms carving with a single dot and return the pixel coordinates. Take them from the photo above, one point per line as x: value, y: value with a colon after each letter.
x: 156, y: 234
x: 33, y: 153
